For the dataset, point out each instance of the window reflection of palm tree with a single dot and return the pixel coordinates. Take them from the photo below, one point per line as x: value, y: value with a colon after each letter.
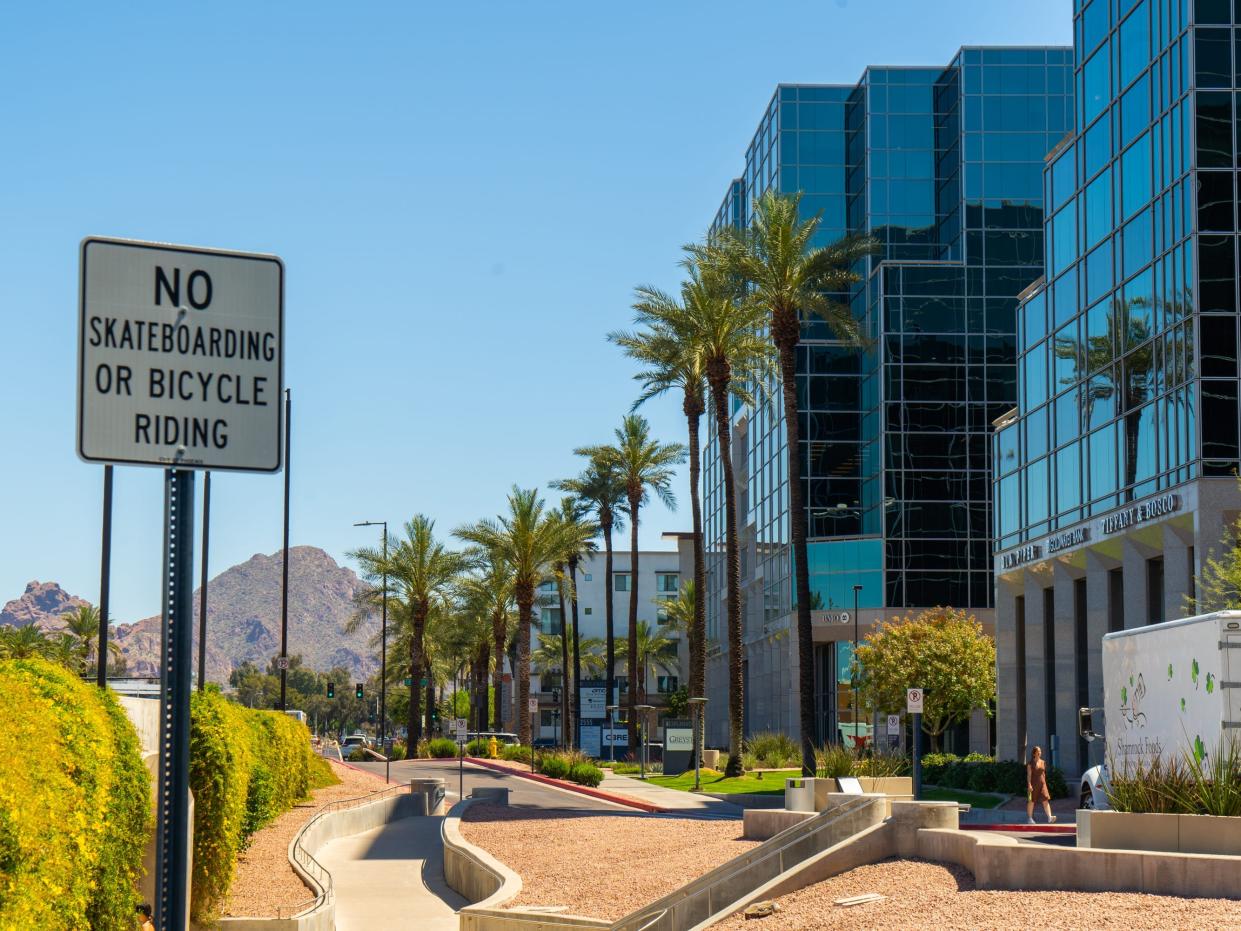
x: 1126, y: 341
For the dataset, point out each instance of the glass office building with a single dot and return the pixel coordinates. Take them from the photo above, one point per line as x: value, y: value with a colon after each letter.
x: 1115, y: 474
x: 943, y: 166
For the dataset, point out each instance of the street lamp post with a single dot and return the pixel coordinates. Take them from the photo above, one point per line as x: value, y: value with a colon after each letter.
x: 699, y: 705
x: 642, y: 710
x: 383, y: 655
x: 611, y: 709
x: 857, y: 720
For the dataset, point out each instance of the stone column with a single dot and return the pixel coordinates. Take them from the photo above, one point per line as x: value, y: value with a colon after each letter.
x: 1065, y: 726
x: 1036, y: 717
x: 1008, y: 741
x: 1176, y: 572
x: 1097, y: 567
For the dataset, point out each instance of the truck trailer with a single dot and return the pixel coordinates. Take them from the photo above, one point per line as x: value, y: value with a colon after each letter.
x: 1169, y: 690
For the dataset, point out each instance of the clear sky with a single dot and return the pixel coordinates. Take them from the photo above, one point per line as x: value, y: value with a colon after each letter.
x: 464, y: 195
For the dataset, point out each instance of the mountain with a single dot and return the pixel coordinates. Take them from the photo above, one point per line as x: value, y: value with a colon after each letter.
x: 41, y: 604
x: 243, y: 617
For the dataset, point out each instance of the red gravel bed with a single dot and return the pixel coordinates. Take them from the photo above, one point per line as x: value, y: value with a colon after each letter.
x: 921, y: 894
x: 603, y: 866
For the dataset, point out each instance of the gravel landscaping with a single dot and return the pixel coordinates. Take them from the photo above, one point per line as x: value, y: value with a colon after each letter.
x: 601, y: 866
x: 265, y: 882
x: 937, y: 895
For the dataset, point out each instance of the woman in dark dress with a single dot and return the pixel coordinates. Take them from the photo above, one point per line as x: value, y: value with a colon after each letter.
x: 1036, y: 786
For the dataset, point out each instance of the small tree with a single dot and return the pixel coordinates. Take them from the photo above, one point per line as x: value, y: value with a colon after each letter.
x: 942, y: 650
x: 1218, y: 586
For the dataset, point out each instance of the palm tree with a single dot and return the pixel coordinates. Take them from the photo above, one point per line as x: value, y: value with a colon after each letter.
x: 421, y: 571
x: 723, y: 329
x: 645, y: 465
x: 491, y: 588
x: 601, y: 491
x: 672, y: 363
x: 655, y: 649
x: 528, y: 540
x: 580, y: 541
x: 789, y: 276
x: 22, y: 642
x: 550, y: 657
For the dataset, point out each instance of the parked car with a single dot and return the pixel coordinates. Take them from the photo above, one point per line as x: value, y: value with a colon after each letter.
x: 353, y: 741
x: 502, y: 737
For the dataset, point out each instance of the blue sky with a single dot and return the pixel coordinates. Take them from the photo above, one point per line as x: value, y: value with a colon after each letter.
x: 464, y: 195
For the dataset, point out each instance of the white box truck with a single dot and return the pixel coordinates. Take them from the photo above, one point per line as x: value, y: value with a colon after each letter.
x: 1168, y: 689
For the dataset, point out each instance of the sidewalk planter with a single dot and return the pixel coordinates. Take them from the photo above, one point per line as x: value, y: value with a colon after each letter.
x: 710, y: 759
x: 1116, y: 830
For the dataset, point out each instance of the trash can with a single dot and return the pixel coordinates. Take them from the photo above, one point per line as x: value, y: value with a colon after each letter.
x: 433, y: 789
x: 799, y: 794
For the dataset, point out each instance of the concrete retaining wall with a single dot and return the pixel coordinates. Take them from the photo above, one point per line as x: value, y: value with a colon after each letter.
x: 1001, y: 863
x: 488, y: 884
x: 1115, y: 830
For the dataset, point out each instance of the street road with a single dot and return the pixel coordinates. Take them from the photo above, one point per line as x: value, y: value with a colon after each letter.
x: 523, y: 793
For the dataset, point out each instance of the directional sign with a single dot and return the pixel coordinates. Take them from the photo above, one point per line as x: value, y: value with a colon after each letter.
x: 913, y: 701
x: 180, y: 356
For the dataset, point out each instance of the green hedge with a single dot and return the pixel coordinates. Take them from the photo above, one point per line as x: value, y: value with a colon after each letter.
x: 246, y: 767
x: 74, y: 802
x: 441, y: 748
x: 978, y: 773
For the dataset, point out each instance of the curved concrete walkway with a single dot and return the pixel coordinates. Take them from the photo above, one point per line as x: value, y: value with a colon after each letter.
x: 392, y: 878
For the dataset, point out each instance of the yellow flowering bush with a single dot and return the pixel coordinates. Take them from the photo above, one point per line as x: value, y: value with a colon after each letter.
x: 74, y: 802
x: 246, y: 767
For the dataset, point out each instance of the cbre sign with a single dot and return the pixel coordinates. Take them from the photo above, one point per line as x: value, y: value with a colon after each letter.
x: 180, y: 356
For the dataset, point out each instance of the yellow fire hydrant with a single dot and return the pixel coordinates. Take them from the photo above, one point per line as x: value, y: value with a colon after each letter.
x: 493, y: 749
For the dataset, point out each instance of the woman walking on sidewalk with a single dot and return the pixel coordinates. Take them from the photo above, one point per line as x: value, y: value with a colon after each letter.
x: 1036, y: 786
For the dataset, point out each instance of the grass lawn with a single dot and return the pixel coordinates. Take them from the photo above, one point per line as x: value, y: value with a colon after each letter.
x: 771, y: 783
x: 976, y: 799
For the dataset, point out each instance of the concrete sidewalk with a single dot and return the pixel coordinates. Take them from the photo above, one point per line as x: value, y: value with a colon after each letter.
x: 682, y: 804
x: 392, y: 878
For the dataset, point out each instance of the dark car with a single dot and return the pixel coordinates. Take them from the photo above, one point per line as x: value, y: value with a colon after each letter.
x: 544, y: 743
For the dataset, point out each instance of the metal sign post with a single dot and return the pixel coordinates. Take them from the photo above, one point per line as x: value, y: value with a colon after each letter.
x: 172, y: 834
x: 913, y: 704
x: 180, y: 366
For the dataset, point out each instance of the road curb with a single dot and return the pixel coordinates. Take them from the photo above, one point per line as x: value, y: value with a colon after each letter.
x: 572, y: 787
x: 1016, y: 828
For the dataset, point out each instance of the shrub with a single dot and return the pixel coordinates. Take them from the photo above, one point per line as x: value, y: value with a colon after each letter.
x: 515, y: 752
x: 882, y: 763
x: 477, y: 747
x: 833, y: 761
x: 587, y: 774
x: 398, y: 750
x: 246, y: 767
x: 553, y: 765
x: 1007, y: 777
x: 441, y: 748
x: 74, y: 802
x: 771, y: 750
x: 321, y: 774
x: 357, y: 755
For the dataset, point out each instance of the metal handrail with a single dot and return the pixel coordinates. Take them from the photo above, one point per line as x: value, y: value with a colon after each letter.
x: 306, y: 860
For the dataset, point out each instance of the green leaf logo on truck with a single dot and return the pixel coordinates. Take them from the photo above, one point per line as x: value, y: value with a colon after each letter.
x: 1169, y: 672
x: 1193, y: 673
x: 1199, y: 750
x: 1210, y: 683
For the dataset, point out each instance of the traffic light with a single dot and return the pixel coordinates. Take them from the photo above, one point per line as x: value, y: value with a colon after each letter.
x: 358, y: 690
x: 331, y: 690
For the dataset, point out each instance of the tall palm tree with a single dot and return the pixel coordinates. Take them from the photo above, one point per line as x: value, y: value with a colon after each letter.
x: 422, y: 571
x: 601, y: 490
x: 786, y: 273
x: 82, y: 624
x: 580, y: 534
x: 645, y: 465
x: 670, y: 363
x: 529, y: 540
x: 22, y: 642
x: 724, y: 329
x: 491, y: 587
x: 655, y: 649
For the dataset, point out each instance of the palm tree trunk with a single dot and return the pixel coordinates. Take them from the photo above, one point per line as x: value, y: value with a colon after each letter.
x: 498, y: 636
x: 564, y: 664
x: 697, y: 634
x: 605, y: 524
x: 430, y: 709
x: 785, y: 331
x: 718, y: 374
x: 577, y: 654
x: 525, y: 615
x: 414, y: 724
x: 635, y: 502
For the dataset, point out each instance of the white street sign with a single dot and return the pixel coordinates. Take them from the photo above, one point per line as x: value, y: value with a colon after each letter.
x: 460, y: 727
x: 894, y: 724
x: 533, y: 705
x: 913, y: 701
x: 282, y: 662
x: 180, y: 356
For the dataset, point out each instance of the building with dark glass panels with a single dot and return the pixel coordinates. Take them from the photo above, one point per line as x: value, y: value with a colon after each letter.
x: 1115, y: 475
x: 944, y: 166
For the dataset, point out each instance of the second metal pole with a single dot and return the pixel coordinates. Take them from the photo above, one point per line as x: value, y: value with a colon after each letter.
x: 105, y: 578
x: 284, y: 571
x: 202, y: 585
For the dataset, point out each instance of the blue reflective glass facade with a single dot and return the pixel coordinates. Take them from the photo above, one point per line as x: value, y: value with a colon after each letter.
x: 944, y: 167
x: 1114, y: 402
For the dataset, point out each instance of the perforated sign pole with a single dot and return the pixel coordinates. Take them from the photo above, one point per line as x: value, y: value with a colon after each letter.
x: 172, y: 829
